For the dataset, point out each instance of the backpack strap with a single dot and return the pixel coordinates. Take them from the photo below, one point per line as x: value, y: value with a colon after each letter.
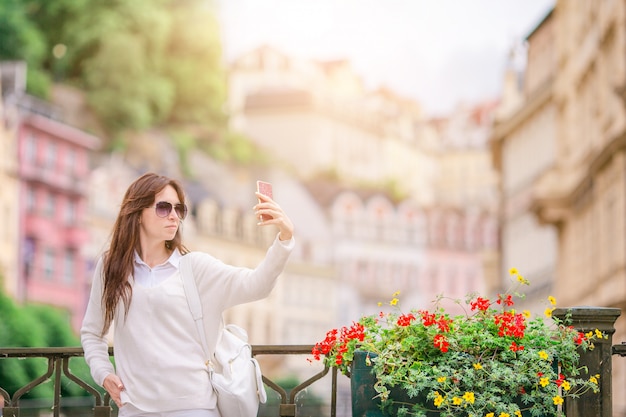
x: 195, y: 305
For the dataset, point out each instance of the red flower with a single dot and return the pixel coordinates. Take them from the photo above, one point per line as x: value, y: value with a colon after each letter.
x: 510, y: 324
x: 444, y: 324
x: 560, y: 380
x: 579, y: 338
x: 507, y: 301
x: 481, y: 303
x: 405, y: 319
x: 428, y: 318
x: 515, y: 347
x: 338, y: 339
x: 441, y: 342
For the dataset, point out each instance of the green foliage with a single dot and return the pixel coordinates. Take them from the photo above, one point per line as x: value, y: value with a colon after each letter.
x: 234, y: 148
x: 184, y: 143
x: 38, y: 83
x: 36, y: 326
x: 242, y: 150
x: 20, y: 40
x: 193, y: 64
x: 19, y: 37
x: 142, y: 64
x: 490, y: 361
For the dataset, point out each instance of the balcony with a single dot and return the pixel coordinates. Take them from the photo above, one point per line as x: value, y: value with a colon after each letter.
x: 54, y: 179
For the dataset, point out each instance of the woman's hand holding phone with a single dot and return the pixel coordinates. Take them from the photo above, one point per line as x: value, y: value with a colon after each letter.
x: 268, y: 212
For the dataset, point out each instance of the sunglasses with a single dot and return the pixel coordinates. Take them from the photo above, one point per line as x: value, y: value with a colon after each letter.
x: 164, y: 208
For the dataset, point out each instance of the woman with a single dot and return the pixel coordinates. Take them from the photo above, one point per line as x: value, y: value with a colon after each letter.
x: 159, y: 361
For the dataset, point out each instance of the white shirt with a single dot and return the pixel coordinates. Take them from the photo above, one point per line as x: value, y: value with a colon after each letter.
x: 150, y: 277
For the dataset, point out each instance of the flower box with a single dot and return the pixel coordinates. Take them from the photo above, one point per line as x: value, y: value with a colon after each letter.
x: 490, y: 361
x: 365, y: 402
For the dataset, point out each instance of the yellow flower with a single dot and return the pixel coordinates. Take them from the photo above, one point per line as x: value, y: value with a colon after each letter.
x: 544, y: 381
x: 397, y: 293
x: 438, y: 401
x: 380, y: 304
x: 594, y: 379
x: 513, y: 271
x: 457, y: 400
x: 504, y: 415
x: 441, y: 379
x: 393, y: 302
x: 589, y: 335
x: 543, y: 355
x: 469, y: 397
x: 522, y: 280
x: 557, y: 400
x: 552, y: 300
x: 518, y: 413
x: 548, y: 312
x: 526, y: 313
x: 478, y: 366
x: 566, y: 386
x: 490, y: 415
x: 598, y: 334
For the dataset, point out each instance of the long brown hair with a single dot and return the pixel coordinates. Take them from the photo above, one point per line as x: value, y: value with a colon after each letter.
x: 118, y: 260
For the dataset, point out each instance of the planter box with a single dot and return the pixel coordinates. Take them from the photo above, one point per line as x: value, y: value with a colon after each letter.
x: 364, y: 404
x: 362, y: 382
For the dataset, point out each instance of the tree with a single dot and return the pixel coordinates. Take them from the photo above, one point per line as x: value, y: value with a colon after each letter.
x: 36, y: 326
x: 142, y: 63
x: 21, y: 40
x: 194, y: 64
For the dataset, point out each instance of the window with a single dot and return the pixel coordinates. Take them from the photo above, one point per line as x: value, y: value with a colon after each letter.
x: 31, y: 198
x: 49, y: 207
x: 70, y: 212
x: 68, y: 266
x: 29, y: 256
x: 70, y: 161
x: 48, y: 264
x: 30, y: 151
x: 51, y: 155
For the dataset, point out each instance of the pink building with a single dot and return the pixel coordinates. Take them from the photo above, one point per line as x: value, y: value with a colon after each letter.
x: 53, y: 170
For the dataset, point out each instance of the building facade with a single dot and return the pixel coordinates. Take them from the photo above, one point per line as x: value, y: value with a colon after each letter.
x: 53, y: 168
x: 524, y: 144
x: 572, y: 120
x: 377, y: 166
x: 319, y: 119
x: 9, y: 209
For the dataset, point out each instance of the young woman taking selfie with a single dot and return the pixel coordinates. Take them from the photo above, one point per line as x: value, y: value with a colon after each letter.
x: 137, y: 287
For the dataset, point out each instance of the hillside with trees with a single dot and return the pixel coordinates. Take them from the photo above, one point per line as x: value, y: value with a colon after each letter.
x: 141, y: 64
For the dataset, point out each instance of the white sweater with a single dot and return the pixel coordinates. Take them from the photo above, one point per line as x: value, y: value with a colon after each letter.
x: 158, y: 354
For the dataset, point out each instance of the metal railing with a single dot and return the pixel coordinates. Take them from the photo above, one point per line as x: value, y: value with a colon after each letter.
x: 585, y: 319
x: 58, y: 360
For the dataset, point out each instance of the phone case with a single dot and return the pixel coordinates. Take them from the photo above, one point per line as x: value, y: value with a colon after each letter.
x: 264, y: 188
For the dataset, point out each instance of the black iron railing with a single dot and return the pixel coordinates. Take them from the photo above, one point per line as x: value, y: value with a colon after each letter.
x: 598, y: 361
x: 58, y: 365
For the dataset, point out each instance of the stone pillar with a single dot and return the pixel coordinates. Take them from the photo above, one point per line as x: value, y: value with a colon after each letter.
x: 598, y: 360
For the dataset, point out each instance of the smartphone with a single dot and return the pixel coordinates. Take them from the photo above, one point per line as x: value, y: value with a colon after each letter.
x: 264, y: 188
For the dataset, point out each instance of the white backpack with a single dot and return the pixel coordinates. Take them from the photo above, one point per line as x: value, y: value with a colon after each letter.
x: 235, y: 375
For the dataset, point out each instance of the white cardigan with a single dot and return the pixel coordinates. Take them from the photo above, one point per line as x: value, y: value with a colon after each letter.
x: 158, y: 355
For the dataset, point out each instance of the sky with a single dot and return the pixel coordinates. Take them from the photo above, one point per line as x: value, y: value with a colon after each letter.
x: 438, y: 52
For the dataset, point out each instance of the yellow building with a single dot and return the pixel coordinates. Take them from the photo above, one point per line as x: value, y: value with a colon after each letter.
x: 9, y: 195
x: 524, y: 147
x: 564, y: 147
